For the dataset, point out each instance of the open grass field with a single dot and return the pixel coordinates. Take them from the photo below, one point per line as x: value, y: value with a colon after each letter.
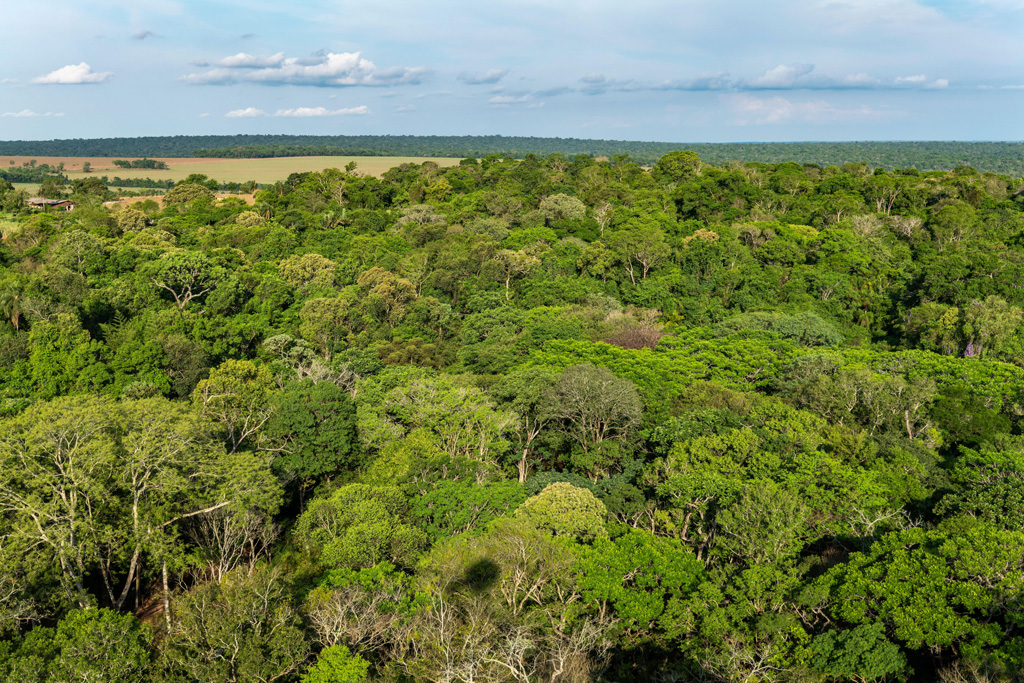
x: 228, y: 170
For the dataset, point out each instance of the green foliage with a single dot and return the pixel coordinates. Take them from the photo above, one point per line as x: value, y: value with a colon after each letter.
x: 91, y: 486
x: 641, y: 577
x: 738, y: 361
x: 244, y: 628
x: 566, y: 511
x: 458, y: 507
x: 988, y: 487
x: 758, y: 421
x: 187, y: 193
x: 806, y: 328
x: 859, y: 654
x: 86, y: 645
x: 336, y: 664
x: 360, y: 526
x: 932, y: 588
x: 462, y: 420
x: 313, y: 429
x: 595, y: 406
x: 64, y: 360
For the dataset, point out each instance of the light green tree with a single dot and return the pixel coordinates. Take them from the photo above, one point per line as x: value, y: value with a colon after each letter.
x: 594, y: 405
x: 336, y: 664
x: 640, y: 246
x: 567, y: 511
x: 238, y: 396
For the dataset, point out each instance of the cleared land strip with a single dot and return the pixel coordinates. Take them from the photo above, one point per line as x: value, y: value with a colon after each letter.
x: 225, y: 170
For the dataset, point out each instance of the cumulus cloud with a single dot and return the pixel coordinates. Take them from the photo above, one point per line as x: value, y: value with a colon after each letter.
x: 246, y: 113
x: 911, y: 80
x: 299, y: 112
x: 436, y: 93
x: 598, y: 84
x: 74, y: 74
x: 719, y: 81
x: 803, y: 77
x: 28, y: 113
x: 921, y: 81
x: 486, y: 78
x: 247, y: 61
x: 325, y: 70
x: 506, y: 100
x: 405, y: 107
x: 303, y: 112
x: 780, y: 77
x: 749, y: 109
x: 554, y: 92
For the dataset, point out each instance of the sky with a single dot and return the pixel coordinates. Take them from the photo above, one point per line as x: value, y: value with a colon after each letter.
x: 673, y: 71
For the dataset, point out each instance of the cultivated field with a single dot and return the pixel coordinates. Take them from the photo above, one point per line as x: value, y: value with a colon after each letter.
x: 228, y: 170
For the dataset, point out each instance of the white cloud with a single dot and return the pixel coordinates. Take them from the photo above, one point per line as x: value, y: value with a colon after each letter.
x: 782, y: 76
x: 331, y: 69
x: 488, y: 77
x: 246, y: 113
x: 802, y: 77
x: 28, y: 113
x: 405, y: 107
x: 247, y: 61
x: 599, y: 84
x: 436, y: 93
x: 304, y: 112
x: 506, y: 100
x: 921, y: 81
x: 1012, y: 5
x: 73, y: 74
x: 720, y: 81
x: 757, y: 110
x: 911, y: 80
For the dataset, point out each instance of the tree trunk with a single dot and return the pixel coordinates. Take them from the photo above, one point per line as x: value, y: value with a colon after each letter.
x: 522, y: 466
x: 167, y: 594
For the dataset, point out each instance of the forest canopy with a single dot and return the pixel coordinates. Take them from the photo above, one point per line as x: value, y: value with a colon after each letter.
x: 542, y: 419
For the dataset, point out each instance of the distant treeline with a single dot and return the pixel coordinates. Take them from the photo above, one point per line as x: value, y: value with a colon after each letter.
x: 138, y: 182
x: 997, y: 157
x: 28, y: 174
x: 140, y: 163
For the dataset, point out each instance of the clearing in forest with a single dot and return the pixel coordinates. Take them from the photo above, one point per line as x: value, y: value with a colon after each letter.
x: 225, y: 170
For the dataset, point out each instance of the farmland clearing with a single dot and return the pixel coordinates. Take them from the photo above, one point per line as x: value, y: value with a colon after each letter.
x: 225, y: 170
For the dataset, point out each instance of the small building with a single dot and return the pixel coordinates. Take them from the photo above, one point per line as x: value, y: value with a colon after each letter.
x: 43, y: 203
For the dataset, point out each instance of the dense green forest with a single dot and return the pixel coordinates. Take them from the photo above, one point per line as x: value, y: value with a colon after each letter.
x: 541, y: 419
x: 995, y: 157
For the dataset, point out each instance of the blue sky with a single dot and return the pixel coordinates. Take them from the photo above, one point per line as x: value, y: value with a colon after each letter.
x: 681, y: 71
